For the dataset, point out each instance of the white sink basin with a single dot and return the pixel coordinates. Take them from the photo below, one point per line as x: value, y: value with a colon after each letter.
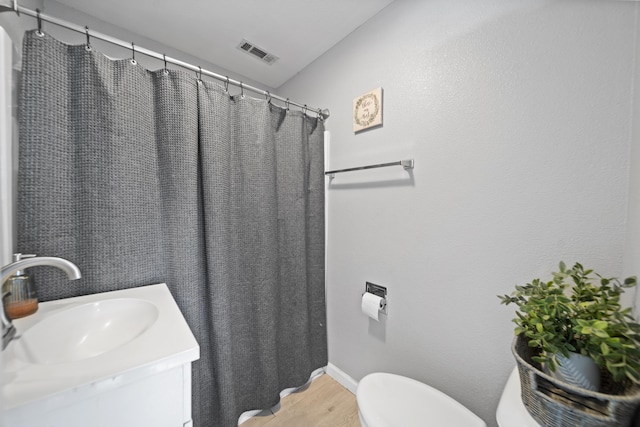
x: 76, y: 347
x: 85, y: 331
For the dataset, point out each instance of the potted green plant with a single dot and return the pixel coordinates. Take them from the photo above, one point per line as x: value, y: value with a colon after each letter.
x: 579, y: 311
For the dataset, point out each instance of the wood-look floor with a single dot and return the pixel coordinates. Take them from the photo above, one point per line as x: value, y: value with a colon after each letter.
x: 324, y: 403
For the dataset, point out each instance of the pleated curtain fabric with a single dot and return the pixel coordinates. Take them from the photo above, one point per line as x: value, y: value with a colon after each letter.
x: 142, y: 177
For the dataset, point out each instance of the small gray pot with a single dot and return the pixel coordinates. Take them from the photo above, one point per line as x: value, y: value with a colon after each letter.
x: 577, y: 370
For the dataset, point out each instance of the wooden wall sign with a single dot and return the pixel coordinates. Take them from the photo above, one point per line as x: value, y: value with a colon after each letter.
x: 367, y: 110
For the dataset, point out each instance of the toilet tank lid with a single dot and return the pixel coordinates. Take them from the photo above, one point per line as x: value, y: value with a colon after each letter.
x: 511, y: 411
x: 390, y: 400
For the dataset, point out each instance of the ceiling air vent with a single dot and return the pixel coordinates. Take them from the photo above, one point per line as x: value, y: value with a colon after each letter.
x: 257, y: 52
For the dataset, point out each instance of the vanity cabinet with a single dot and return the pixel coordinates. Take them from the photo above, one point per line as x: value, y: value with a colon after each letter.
x: 116, y: 359
x: 158, y: 397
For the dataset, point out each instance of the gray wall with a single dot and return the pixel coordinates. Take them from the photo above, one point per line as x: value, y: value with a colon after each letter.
x: 632, y: 252
x: 519, y: 117
x: 632, y: 249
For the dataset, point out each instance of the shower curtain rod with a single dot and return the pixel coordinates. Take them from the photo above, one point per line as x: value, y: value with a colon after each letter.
x: 322, y: 113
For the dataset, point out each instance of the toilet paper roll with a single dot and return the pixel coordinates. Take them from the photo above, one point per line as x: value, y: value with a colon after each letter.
x: 371, y: 305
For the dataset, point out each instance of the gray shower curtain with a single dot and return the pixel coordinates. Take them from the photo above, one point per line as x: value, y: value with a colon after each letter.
x: 142, y: 177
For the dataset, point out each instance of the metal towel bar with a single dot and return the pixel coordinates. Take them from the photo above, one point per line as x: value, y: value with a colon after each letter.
x: 406, y: 164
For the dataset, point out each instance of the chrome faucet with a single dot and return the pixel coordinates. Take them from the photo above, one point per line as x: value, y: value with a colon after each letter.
x: 72, y: 270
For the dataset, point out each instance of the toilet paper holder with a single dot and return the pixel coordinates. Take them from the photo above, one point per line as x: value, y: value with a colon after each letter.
x: 380, y: 291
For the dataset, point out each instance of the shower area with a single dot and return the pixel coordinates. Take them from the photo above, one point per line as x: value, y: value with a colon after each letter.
x: 143, y: 176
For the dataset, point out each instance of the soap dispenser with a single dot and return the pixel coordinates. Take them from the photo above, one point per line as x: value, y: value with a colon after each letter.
x: 22, y: 299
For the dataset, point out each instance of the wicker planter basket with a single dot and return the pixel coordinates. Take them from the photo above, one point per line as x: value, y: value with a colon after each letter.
x: 553, y: 403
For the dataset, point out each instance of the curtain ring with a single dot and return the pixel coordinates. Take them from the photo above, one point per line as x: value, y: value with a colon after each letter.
x: 199, y: 77
x: 226, y: 85
x: 39, y: 33
x: 241, y: 90
x: 88, y: 45
x: 133, y: 54
x: 286, y: 104
x: 267, y: 95
x: 304, y: 110
x: 165, y: 71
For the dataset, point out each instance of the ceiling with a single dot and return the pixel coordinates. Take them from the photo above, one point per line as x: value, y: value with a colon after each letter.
x: 296, y: 31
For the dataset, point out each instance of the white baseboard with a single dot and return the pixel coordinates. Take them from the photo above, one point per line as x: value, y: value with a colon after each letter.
x: 339, y: 375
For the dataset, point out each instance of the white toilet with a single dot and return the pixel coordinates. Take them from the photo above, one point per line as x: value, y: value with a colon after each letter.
x: 388, y: 400
x: 511, y: 411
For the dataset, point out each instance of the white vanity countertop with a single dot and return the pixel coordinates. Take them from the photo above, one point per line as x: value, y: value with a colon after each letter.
x: 167, y: 343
